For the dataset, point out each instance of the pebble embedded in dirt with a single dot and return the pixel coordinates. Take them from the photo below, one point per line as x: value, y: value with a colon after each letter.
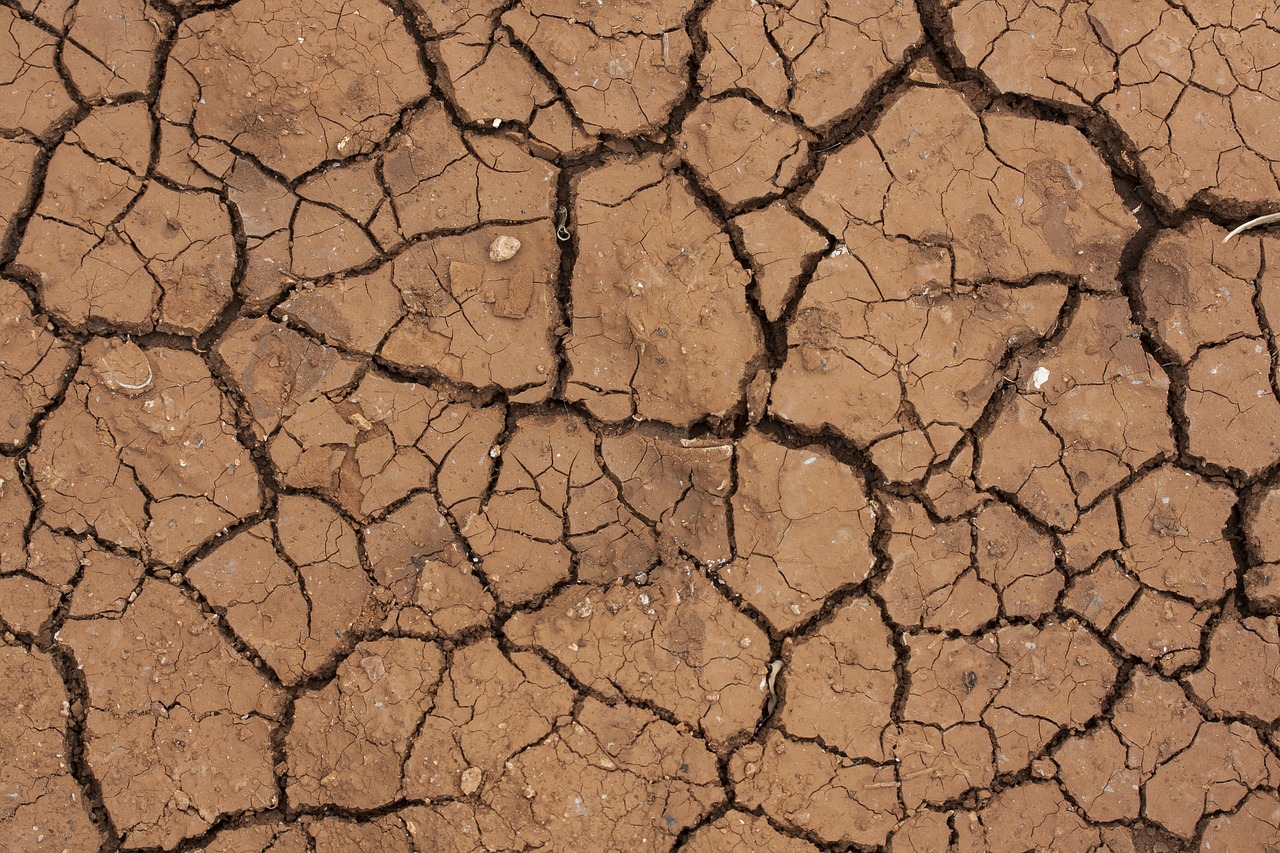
x: 556, y: 424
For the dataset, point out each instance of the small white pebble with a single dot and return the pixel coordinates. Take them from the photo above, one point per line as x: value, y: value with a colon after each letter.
x: 503, y: 248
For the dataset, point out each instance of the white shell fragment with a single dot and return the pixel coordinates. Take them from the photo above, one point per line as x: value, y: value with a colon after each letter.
x: 503, y: 248
x: 125, y: 369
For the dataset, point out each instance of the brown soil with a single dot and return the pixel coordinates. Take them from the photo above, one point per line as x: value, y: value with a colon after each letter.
x: 715, y: 425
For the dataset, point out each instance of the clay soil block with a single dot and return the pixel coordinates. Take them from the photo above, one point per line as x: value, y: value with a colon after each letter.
x: 639, y: 425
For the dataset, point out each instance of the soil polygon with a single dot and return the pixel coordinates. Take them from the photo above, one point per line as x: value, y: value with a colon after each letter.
x: 639, y: 425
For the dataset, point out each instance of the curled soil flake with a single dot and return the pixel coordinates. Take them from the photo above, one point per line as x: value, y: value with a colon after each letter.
x: 295, y: 84
x: 42, y: 807
x: 802, y: 529
x: 188, y: 740
x: 350, y: 738
x: 801, y: 785
x: 33, y: 364
x: 661, y: 328
x: 675, y: 642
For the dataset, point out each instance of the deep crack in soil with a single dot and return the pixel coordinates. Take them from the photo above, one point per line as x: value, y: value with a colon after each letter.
x: 715, y: 425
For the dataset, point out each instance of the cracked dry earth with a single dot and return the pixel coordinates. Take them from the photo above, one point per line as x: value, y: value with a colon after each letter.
x: 871, y: 443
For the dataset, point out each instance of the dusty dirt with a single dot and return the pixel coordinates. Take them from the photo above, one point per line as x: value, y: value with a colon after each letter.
x: 715, y: 425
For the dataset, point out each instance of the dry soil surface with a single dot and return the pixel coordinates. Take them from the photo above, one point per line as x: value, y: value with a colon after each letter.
x: 629, y: 425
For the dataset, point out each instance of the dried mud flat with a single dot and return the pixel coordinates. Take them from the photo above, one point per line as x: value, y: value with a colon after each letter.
x: 733, y: 425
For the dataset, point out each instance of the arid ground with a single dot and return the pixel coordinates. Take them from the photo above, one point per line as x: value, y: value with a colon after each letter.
x: 636, y: 425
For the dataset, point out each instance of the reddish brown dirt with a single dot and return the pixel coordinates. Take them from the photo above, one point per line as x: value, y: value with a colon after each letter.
x: 637, y: 425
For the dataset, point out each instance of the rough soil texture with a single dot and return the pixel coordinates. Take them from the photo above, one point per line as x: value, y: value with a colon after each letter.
x: 714, y: 425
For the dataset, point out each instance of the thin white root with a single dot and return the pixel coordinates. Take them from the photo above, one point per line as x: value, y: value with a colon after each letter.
x: 1253, y: 223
